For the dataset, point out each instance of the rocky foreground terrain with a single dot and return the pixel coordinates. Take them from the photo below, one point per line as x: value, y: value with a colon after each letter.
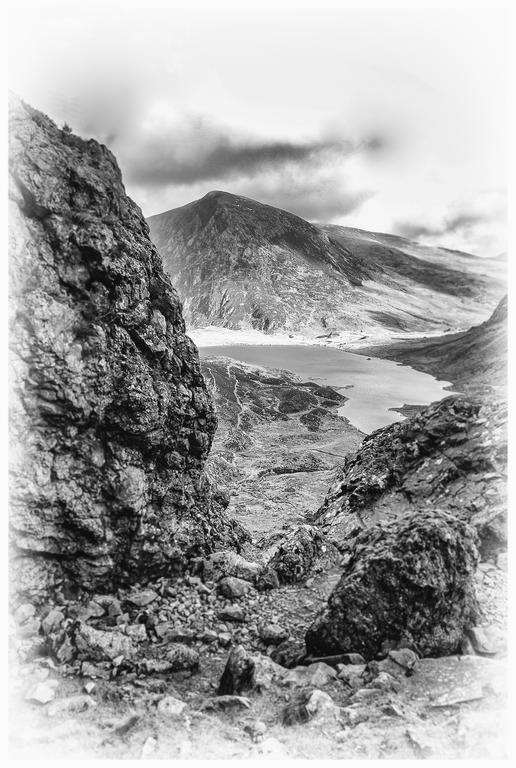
x: 240, y: 264
x: 168, y: 602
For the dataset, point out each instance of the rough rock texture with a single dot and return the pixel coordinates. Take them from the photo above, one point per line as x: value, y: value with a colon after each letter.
x: 297, y: 554
x: 451, y: 455
x: 239, y: 263
x: 111, y: 421
x: 410, y: 581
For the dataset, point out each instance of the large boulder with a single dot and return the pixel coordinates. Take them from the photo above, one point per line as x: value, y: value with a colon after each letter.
x: 111, y: 422
x: 450, y: 456
x: 410, y: 582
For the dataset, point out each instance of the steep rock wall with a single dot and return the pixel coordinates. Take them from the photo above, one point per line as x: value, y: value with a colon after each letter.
x: 111, y: 422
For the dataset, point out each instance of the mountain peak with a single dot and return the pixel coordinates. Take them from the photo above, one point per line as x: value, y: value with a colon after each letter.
x: 240, y: 263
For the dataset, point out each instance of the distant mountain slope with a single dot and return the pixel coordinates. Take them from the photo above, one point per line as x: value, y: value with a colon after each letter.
x: 240, y: 264
x: 475, y: 360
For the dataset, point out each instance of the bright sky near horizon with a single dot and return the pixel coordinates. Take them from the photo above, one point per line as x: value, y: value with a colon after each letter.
x: 385, y: 119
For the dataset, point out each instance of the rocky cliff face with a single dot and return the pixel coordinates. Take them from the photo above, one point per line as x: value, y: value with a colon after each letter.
x: 451, y: 456
x: 111, y: 421
x: 240, y: 264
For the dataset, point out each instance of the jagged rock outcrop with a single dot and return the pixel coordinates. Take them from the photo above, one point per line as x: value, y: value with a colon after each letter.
x: 111, y: 421
x: 410, y: 582
x: 239, y: 263
x: 451, y: 455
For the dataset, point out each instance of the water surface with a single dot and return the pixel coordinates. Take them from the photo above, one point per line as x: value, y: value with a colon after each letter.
x: 372, y: 385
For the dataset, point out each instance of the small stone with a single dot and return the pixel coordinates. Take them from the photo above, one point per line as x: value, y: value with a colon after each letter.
x: 351, y: 674
x: 485, y: 640
x: 271, y: 748
x: 385, y: 682
x: 52, y: 621
x: 315, y: 675
x: 232, y: 587
x: 100, y: 645
x: 149, y: 747
x: 231, y: 613
x: 92, y: 611
x: 256, y: 730
x: 171, y: 706
x: 142, y: 598
x: 181, y: 657
x: 43, y: 692
x: 466, y: 646
x: 268, y: 579
x: 272, y: 634
x: 136, y: 632
x: 366, y: 694
x: 290, y: 653
x: 30, y: 628
x: 156, y: 666
x: 224, y: 702
x: 76, y: 703
x: 265, y: 672
x: 227, y: 563
x: 501, y: 561
x: 24, y: 612
x: 320, y: 704
x: 127, y: 724
x: 404, y: 658
x: 224, y: 639
x: 90, y: 686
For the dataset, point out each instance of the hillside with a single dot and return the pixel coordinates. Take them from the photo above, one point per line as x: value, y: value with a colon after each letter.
x: 240, y: 264
x: 474, y: 361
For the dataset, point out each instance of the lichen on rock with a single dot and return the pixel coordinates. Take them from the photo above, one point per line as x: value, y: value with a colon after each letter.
x: 111, y: 422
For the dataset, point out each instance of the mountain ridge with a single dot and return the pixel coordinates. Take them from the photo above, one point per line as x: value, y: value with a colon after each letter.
x: 239, y: 264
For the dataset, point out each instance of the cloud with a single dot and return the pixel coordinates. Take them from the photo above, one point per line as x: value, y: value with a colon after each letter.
x: 449, y: 225
x: 318, y: 196
x: 478, y: 227
x: 196, y: 150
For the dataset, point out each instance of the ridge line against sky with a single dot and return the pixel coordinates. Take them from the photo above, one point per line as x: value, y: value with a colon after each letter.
x: 384, y: 119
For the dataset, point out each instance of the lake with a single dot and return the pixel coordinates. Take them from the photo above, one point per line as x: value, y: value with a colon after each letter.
x: 372, y: 385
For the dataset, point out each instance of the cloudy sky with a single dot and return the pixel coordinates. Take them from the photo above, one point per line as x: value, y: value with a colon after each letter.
x: 385, y: 119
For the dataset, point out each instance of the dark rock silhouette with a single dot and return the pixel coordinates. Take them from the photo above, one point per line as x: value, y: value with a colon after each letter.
x: 111, y: 421
x: 409, y: 582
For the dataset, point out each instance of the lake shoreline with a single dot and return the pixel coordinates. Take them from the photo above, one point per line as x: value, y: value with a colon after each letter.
x: 378, y: 391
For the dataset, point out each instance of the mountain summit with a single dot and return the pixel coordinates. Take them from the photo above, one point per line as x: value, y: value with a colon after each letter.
x: 238, y: 263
